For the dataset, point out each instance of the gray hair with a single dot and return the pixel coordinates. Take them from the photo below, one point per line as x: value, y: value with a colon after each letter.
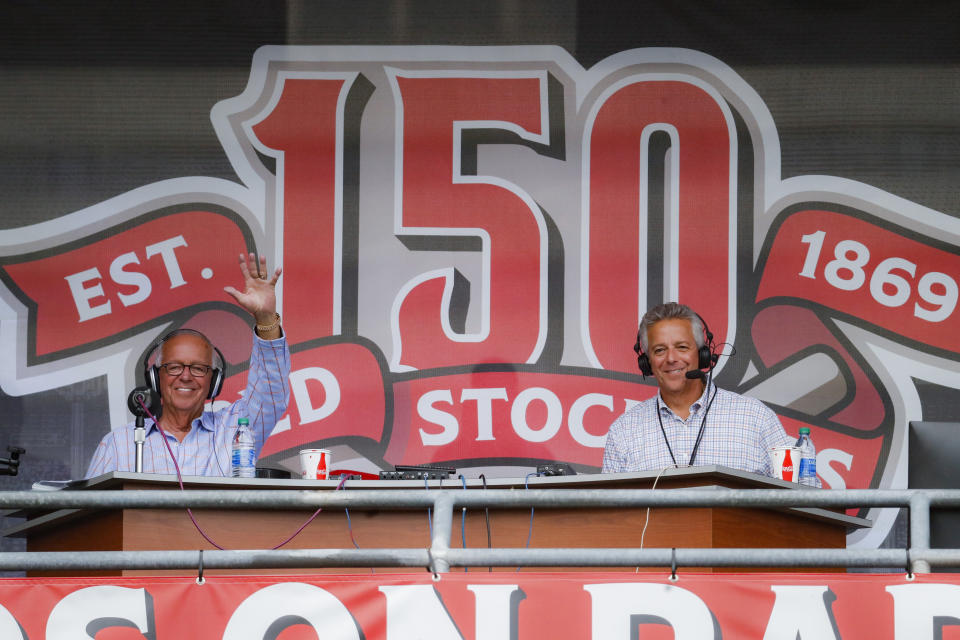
x: 670, y: 311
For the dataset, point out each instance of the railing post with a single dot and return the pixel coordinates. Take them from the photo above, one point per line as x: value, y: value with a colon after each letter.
x: 919, y: 530
x: 442, y: 530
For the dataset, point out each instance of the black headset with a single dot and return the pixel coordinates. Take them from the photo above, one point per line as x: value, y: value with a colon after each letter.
x: 151, y: 372
x: 706, y: 358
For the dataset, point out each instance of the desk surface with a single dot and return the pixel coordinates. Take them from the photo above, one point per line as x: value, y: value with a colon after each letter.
x: 582, y: 481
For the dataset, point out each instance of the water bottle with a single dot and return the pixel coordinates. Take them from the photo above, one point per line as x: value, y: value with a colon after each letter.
x: 244, y: 457
x: 808, y: 458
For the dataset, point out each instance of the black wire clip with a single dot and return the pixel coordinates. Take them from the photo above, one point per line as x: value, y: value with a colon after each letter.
x: 200, y: 579
x: 432, y: 567
x: 673, y: 565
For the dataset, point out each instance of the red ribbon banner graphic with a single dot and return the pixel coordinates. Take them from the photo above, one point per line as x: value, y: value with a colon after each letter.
x: 99, y: 289
x: 850, y: 265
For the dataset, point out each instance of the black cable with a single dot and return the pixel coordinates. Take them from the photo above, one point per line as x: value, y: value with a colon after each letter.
x: 486, y: 513
x: 526, y: 485
x: 664, y: 432
x: 426, y: 487
x: 703, y: 424
x: 463, y: 521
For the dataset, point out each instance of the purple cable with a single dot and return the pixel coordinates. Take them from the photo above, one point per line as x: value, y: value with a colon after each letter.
x: 196, y: 524
x: 179, y: 476
x: 343, y: 479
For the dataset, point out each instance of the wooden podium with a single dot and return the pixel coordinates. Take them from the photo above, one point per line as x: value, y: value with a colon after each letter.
x: 165, y: 529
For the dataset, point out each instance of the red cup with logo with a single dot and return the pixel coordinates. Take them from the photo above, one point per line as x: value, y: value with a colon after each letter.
x: 785, y: 462
x: 315, y: 464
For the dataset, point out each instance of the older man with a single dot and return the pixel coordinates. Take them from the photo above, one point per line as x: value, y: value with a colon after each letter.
x: 188, y: 371
x: 690, y: 421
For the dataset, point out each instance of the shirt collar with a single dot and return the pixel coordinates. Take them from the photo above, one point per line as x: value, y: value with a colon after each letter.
x: 697, y: 404
x: 201, y: 422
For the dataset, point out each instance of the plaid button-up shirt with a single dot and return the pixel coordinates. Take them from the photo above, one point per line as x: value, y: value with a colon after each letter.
x: 738, y: 433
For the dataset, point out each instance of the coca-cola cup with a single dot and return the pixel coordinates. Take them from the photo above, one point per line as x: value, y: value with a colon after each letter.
x: 785, y: 462
x: 315, y: 464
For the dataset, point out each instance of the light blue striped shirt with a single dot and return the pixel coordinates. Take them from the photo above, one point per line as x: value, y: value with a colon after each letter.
x: 206, y: 449
x: 738, y: 434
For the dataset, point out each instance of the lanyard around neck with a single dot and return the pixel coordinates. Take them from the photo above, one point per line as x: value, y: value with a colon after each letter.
x: 696, y: 445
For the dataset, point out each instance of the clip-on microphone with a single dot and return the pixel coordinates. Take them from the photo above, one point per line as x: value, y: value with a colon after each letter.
x: 139, y: 401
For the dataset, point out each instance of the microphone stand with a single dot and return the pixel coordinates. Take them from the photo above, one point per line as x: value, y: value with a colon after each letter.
x: 139, y: 402
x: 139, y: 437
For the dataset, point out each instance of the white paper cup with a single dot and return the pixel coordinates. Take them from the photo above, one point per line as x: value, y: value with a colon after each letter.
x: 785, y: 462
x: 315, y: 464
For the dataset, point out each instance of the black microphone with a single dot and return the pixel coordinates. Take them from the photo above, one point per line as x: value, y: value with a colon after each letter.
x: 696, y: 374
x: 139, y: 400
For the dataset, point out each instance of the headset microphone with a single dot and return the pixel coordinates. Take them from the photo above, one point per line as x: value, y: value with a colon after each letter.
x: 696, y: 374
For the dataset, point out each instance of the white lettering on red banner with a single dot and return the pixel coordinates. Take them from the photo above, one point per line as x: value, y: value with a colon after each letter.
x: 568, y: 606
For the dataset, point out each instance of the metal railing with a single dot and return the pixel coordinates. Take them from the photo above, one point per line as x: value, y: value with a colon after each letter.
x: 440, y: 556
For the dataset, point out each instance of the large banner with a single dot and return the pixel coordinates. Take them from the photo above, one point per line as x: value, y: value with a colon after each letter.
x: 469, y: 237
x: 485, y: 606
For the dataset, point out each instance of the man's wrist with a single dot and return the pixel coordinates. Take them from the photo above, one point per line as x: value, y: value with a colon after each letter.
x: 267, y: 320
x: 268, y: 328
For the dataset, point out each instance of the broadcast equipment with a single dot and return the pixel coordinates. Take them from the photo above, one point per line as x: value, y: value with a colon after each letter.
x: 10, y: 466
x: 417, y: 472
x: 556, y: 469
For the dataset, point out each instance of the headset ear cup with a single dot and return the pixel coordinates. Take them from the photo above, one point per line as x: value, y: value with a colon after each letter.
x: 642, y: 360
x: 217, y: 374
x: 704, y: 358
x: 152, y: 374
x: 216, y: 383
x: 644, y: 363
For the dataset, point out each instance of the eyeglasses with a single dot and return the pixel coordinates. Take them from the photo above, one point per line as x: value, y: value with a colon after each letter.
x: 176, y: 368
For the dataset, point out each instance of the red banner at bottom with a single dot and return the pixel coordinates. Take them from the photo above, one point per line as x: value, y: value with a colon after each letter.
x: 486, y: 606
